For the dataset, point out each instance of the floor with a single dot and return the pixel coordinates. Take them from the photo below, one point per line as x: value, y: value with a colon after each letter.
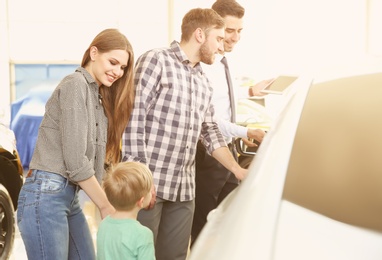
x: 91, y: 214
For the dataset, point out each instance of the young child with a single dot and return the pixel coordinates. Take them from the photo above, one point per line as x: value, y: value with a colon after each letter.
x: 120, y: 236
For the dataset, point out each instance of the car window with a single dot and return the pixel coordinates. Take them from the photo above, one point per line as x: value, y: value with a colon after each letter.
x: 335, y: 165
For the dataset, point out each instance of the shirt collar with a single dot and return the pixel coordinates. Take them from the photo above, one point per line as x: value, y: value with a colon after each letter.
x: 219, y: 57
x: 179, y: 53
x: 182, y: 57
x: 86, y: 74
x: 89, y: 78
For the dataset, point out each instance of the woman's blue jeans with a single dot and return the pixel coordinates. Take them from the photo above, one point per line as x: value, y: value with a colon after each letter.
x: 50, y: 219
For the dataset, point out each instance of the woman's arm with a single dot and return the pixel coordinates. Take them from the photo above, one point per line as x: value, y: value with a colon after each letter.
x: 95, y: 192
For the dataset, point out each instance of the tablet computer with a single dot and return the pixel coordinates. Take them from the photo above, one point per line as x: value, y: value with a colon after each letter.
x: 279, y: 84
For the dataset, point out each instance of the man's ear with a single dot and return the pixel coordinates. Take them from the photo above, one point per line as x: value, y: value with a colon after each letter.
x: 199, y: 35
x: 93, y: 52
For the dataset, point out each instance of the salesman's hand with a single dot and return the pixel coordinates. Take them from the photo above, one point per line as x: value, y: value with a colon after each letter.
x: 256, y: 89
x: 255, y: 134
x: 249, y: 143
x: 153, y: 198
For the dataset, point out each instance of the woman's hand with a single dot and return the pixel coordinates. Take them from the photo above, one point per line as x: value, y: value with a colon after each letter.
x: 106, y: 211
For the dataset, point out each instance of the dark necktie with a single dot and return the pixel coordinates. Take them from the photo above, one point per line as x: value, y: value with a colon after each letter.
x: 232, y: 101
x: 230, y: 89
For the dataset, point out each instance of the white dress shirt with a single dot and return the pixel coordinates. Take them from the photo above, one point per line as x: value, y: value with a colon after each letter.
x: 221, y: 100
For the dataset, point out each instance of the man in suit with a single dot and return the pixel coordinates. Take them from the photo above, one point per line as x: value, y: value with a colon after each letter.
x: 213, y: 181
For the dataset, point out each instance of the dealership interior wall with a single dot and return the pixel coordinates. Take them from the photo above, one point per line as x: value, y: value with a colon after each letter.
x: 324, y: 39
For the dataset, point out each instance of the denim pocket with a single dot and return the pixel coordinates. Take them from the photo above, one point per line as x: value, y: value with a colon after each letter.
x: 52, y: 185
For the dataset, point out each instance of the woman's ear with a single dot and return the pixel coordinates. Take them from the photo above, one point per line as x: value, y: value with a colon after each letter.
x: 93, y: 52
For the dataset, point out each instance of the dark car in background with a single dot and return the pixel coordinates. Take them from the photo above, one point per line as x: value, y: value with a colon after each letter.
x: 11, y: 180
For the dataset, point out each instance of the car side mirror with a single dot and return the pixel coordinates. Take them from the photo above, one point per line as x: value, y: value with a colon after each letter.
x: 243, y: 149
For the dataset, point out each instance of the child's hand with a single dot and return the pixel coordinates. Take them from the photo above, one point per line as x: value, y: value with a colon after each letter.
x: 153, y: 198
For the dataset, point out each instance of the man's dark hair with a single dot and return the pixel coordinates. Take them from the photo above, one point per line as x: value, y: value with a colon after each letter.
x: 228, y: 7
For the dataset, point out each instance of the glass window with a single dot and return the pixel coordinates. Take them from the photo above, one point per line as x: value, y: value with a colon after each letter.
x: 28, y: 76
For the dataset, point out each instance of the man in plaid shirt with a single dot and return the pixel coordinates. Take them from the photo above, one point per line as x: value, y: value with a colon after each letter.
x: 172, y: 111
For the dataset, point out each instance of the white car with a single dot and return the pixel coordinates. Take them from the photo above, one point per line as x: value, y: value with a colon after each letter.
x: 314, y: 189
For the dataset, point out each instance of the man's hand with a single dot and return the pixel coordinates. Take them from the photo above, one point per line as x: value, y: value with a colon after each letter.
x: 256, y: 134
x: 240, y: 173
x: 249, y: 143
x: 255, y: 90
x: 225, y: 157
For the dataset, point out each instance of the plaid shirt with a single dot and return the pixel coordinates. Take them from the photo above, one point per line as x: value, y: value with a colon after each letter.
x: 172, y: 111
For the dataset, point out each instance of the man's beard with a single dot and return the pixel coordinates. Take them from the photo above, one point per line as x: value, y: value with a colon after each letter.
x: 206, y: 56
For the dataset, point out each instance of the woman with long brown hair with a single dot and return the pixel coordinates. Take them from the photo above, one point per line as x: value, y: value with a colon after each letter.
x: 80, y: 133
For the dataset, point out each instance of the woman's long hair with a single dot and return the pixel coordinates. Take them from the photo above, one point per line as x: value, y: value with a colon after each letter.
x: 118, y: 99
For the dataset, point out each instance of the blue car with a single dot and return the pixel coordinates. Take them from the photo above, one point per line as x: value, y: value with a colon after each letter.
x: 26, y: 116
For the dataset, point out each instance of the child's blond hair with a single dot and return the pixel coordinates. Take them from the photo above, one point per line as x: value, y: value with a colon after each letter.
x: 126, y: 183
